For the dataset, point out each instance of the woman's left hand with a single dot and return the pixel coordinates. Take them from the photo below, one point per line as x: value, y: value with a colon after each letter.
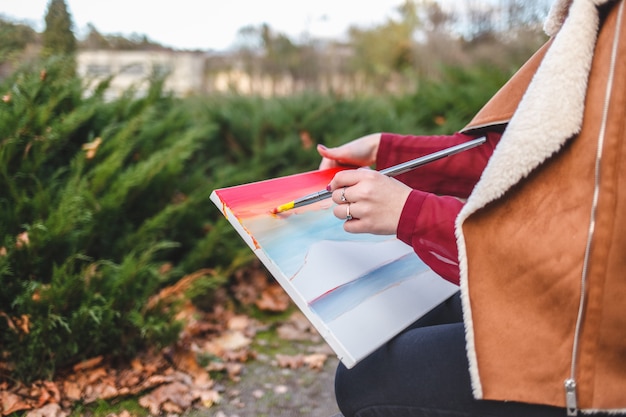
x: 371, y: 202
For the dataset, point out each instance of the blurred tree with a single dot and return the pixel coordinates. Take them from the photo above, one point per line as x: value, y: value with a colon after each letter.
x: 279, y: 51
x: 387, y: 49
x: 503, y: 33
x: 135, y: 41
x: 308, y: 71
x: 15, y: 40
x: 58, y: 37
x: 436, y: 19
x: 262, y: 50
x: 482, y: 20
x: 409, y: 14
x: 281, y: 54
x: 94, y: 39
x: 504, y: 19
x: 438, y: 44
x: 523, y: 15
x: 15, y: 37
x: 248, y: 45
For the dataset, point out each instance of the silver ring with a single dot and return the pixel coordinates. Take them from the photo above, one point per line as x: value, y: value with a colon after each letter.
x: 343, y: 195
x: 348, y: 215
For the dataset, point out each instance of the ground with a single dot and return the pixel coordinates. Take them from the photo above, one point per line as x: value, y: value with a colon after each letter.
x: 265, y: 389
x: 266, y: 360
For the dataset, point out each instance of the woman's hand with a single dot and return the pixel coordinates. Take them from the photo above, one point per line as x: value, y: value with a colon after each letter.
x: 360, y: 152
x: 373, y: 200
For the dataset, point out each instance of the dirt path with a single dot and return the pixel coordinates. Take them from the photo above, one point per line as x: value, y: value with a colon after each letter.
x: 266, y: 389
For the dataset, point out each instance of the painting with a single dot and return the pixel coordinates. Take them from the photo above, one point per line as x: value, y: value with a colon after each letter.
x: 358, y: 290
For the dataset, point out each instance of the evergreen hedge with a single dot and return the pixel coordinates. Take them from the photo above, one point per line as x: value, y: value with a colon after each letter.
x: 105, y: 202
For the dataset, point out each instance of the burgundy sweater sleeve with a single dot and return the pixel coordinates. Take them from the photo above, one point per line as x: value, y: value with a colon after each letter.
x: 428, y: 217
x: 427, y: 224
x: 455, y: 175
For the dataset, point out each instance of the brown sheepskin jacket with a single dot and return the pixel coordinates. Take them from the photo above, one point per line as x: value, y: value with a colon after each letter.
x: 542, y: 238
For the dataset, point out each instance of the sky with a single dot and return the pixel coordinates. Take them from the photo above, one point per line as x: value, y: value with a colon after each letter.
x: 209, y: 24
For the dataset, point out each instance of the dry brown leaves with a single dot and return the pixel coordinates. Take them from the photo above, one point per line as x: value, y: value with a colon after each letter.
x: 177, y: 378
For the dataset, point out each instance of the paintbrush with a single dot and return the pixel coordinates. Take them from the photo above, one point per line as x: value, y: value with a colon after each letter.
x: 390, y: 172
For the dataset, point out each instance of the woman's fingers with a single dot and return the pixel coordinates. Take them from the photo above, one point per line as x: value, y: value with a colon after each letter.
x: 369, y: 201
x: 349, y: 178
x: 357, y: 153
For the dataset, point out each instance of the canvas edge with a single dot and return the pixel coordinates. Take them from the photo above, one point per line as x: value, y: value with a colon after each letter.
x: 340, y: 350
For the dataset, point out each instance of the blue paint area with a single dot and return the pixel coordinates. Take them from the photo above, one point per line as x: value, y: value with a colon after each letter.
x: 348, y: 296
x: 286, y: 239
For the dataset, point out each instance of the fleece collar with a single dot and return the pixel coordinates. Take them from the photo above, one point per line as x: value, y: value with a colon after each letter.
x: 556, y: 16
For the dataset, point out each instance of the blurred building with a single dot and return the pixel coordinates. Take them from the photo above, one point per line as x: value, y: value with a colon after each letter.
x: 184, y: 71
x: 197, y: 73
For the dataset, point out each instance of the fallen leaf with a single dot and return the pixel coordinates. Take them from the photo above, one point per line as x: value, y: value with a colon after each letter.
x: 123, y: 413
x: 136, y: 365
x: 234, y: 370
x: 250, y: 282
x: 174, y: 394
x: 186, y: 360
x: 165, y: 268
x: 72, y: 390
x: 439, y: 120
x: 179, y: 289
x: 281, y: 389
x: 273, y: 298
x: 9, y: 321
x: 239, y: 322
x: 96, y: 374
x: 91, y: 148
x: 43, y: 397
x: 231, y: 340
x: 171, y: 408
x: 298, y: 328
x: 48, y: 410
x: 305, y: 139
x: 153, y: 381
x: 101, y: 391
x: 89, y: 363
x: 315, y: 360
x: 210, y: 397
x: 53, y: 389
x: 290, y: 361
x: 24, y: 323
x: 12, y: 403
x: 203, y: 380
x: 22, y: 240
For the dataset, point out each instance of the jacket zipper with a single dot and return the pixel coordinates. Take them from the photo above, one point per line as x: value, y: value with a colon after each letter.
x: 571, y: 401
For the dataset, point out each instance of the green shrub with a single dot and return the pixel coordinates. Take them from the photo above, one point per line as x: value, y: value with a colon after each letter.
x: 81, y: 177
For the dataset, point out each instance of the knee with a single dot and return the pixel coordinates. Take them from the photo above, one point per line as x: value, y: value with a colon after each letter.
x: 346, y: 391
x: 341, y: 384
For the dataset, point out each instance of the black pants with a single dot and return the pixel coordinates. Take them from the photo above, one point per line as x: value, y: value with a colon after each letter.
x: 423, y: 372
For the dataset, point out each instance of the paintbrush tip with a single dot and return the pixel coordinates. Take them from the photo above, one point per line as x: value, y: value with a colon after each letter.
x: 283, y: 207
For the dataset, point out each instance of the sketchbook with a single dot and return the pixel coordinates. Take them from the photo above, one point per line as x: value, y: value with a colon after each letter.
x: 357, y: 290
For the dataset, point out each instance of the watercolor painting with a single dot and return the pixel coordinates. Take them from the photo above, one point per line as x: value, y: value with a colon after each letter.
x: 358, y: 290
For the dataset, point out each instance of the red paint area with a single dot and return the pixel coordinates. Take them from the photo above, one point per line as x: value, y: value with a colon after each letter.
x: 262, y: 197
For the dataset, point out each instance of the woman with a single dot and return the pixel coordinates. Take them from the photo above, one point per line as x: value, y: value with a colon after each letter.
x: 538, y: 247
